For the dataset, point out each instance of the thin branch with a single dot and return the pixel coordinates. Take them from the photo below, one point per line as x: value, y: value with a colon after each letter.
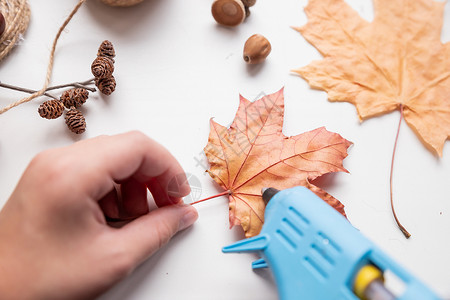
x: 91, y: 89
x: 83, y: 84
x: 403, y: 229
x: 215, y: 196
x: 20, y: 89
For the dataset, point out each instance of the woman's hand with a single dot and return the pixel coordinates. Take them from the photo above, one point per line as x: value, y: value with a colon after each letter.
x: 55, y: 242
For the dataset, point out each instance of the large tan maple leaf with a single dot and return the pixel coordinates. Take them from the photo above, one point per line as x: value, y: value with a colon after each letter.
x: 397, y: 61
x: 253, y: 153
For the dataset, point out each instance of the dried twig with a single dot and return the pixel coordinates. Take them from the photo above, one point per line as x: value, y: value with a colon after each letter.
x: 83, y: 84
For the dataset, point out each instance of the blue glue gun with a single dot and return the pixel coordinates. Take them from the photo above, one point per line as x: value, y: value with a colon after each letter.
x: 315, y: 253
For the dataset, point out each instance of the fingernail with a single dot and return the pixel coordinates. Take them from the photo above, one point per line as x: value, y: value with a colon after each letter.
x: 189, y: 217
x: 178, y: 201
x: 178, y: 186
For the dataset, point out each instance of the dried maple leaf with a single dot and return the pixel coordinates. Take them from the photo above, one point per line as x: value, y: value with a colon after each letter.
x: 397, y: 61
x: 253, y: 153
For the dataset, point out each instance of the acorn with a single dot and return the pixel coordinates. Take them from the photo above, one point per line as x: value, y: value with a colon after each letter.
x: 122, y: 3
x: 249, y: 3
x: 247, y: 12
x: 228, y: 12
x: 256, y: 49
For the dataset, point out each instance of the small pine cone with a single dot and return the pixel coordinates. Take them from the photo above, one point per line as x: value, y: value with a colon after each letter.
x: 106, y: 85
x: 106, y: 49
x: 74, y: 97
x: 51, y: 109
x: 102, y: 67
x: 75, y: 121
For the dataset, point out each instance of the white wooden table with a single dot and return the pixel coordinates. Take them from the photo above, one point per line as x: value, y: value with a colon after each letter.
x: 175, y: 69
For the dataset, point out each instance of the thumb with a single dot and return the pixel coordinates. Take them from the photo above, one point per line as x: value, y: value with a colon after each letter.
x: 145, y: 235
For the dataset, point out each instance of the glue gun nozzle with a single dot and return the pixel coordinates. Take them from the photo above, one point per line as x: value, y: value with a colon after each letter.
x: 253, y: 244
x: 268, y: 193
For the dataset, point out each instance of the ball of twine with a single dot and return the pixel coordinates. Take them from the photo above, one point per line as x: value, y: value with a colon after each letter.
x: 122, y: 3
x: 17, y: 17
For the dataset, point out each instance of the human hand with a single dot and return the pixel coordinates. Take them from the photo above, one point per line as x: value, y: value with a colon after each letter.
x: 54, y: 240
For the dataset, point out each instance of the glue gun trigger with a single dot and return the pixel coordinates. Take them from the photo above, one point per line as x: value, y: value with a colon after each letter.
x: 259, y: 264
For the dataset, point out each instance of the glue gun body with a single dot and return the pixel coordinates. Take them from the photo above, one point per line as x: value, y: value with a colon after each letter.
x: 315, y: 253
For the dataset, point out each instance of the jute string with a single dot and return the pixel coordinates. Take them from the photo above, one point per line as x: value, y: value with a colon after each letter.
x: 50, y: 64
x: 17, y: 16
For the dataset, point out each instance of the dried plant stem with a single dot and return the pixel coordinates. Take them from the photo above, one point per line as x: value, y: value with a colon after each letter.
x: 403, y: 229
x: 215, y: 196
x: 83, y: 84
x: 21, y: 89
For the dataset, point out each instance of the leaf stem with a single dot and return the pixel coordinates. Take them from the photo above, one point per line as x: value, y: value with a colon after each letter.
x: 228, y: 192
x: 403, y: 229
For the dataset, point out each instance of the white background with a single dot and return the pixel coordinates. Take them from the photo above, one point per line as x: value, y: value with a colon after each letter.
x: 175, y: 69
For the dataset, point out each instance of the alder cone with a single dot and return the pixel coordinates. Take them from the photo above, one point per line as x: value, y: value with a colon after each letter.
x: 106, y: 85
x: 74, y: 97
x: 51, y: 109
x: 106, y: 49
x: 75, y: 121
x: 102, y: 67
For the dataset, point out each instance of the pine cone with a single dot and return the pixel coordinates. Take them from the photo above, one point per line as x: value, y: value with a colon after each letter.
x: 75, y: 121
x: 74, y: 97
x: 106, y: 49
x: 51, y: 109
x: 102, y: 67
x: 106, y: 85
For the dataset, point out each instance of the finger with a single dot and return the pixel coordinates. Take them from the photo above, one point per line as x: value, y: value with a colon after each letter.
x: 106, y: 158
x: 145, y: 235
x: 170, y: 194
x: 109, y: 205
x: 134, y: 198
x: 175, y: 189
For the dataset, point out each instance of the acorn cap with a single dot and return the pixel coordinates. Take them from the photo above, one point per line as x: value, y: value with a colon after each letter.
x: 249, y: 3
x: 228, y: 12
